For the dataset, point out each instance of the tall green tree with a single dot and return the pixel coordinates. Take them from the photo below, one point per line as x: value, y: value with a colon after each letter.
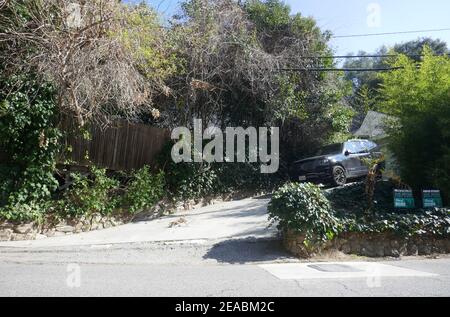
x: 415, y: 48
x: 412, y: 48
x: 365, y: 95
x: 419, y: 96
x: 237, y: 59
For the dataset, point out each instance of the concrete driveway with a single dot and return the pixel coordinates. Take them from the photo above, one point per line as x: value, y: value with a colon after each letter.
x: 238, y: 219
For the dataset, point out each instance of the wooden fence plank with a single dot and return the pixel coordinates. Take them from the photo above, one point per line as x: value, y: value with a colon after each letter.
x: 122, y: 146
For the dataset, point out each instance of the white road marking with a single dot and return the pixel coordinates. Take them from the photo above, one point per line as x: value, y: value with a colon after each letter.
x: 299, y: 271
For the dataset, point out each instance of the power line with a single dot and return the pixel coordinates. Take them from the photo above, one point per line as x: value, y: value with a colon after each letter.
x: 312, y: 69
x: 390, y: 33
x: 363, y: 56
x: 354, y: 56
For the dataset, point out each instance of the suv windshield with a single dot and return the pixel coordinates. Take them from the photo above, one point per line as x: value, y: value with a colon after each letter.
x: 330, y: 149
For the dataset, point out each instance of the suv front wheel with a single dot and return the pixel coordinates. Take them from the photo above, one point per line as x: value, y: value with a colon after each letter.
x: 339, y: 177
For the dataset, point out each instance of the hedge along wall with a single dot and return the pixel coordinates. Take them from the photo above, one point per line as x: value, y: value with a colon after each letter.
x: 120, y: 146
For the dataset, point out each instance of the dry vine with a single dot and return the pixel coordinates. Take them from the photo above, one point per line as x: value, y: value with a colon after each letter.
x: 74, y: 45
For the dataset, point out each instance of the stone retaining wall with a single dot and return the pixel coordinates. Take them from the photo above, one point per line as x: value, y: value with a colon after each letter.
x: 373, y: 245
x: 34, y: 230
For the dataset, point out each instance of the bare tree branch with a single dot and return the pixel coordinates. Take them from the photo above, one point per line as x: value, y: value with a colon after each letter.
x: 77, y: 46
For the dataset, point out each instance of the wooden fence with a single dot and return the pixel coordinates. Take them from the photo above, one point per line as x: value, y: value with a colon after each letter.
x: 121, y: 146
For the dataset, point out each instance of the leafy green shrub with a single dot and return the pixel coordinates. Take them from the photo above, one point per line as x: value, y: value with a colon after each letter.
x: 8, y: 174
x: 144, y: 190
x: 188, y: 180
x: 349, y: 206
x: 29, y: 143
x: 352, y: 198
x: 23, y: 212
x: 196, y: 180
x: 235, y: 177
x: 304, y: 209
x: 424, y: 222
x: 32, y: 197
x: 94, y: 193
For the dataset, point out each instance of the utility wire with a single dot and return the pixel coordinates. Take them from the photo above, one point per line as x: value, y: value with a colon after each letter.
x: 351, y: 56
x: 354, y: 56
x: 389, y: 33
x: 312, y: 69
x: 379, y: 69
x: 362, y: 56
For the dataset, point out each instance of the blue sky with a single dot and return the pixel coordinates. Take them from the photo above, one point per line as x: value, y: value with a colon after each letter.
x: 344, y: 17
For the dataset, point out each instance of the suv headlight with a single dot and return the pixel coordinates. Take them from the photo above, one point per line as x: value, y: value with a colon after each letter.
x: 324, y: 162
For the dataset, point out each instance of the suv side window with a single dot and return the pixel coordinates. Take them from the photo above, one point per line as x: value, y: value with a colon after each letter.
x: 352, y: 147
x: 370, y: 145
x: 363, y: 147
x: 358, y: 147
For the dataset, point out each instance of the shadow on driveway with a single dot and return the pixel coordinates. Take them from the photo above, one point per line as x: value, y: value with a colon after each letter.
x: 241, y: 251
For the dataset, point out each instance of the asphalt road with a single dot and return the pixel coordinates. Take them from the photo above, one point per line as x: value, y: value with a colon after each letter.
x: 202, y: 268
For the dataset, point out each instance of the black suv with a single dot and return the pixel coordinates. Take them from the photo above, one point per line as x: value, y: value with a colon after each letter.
x: 336, y: 163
